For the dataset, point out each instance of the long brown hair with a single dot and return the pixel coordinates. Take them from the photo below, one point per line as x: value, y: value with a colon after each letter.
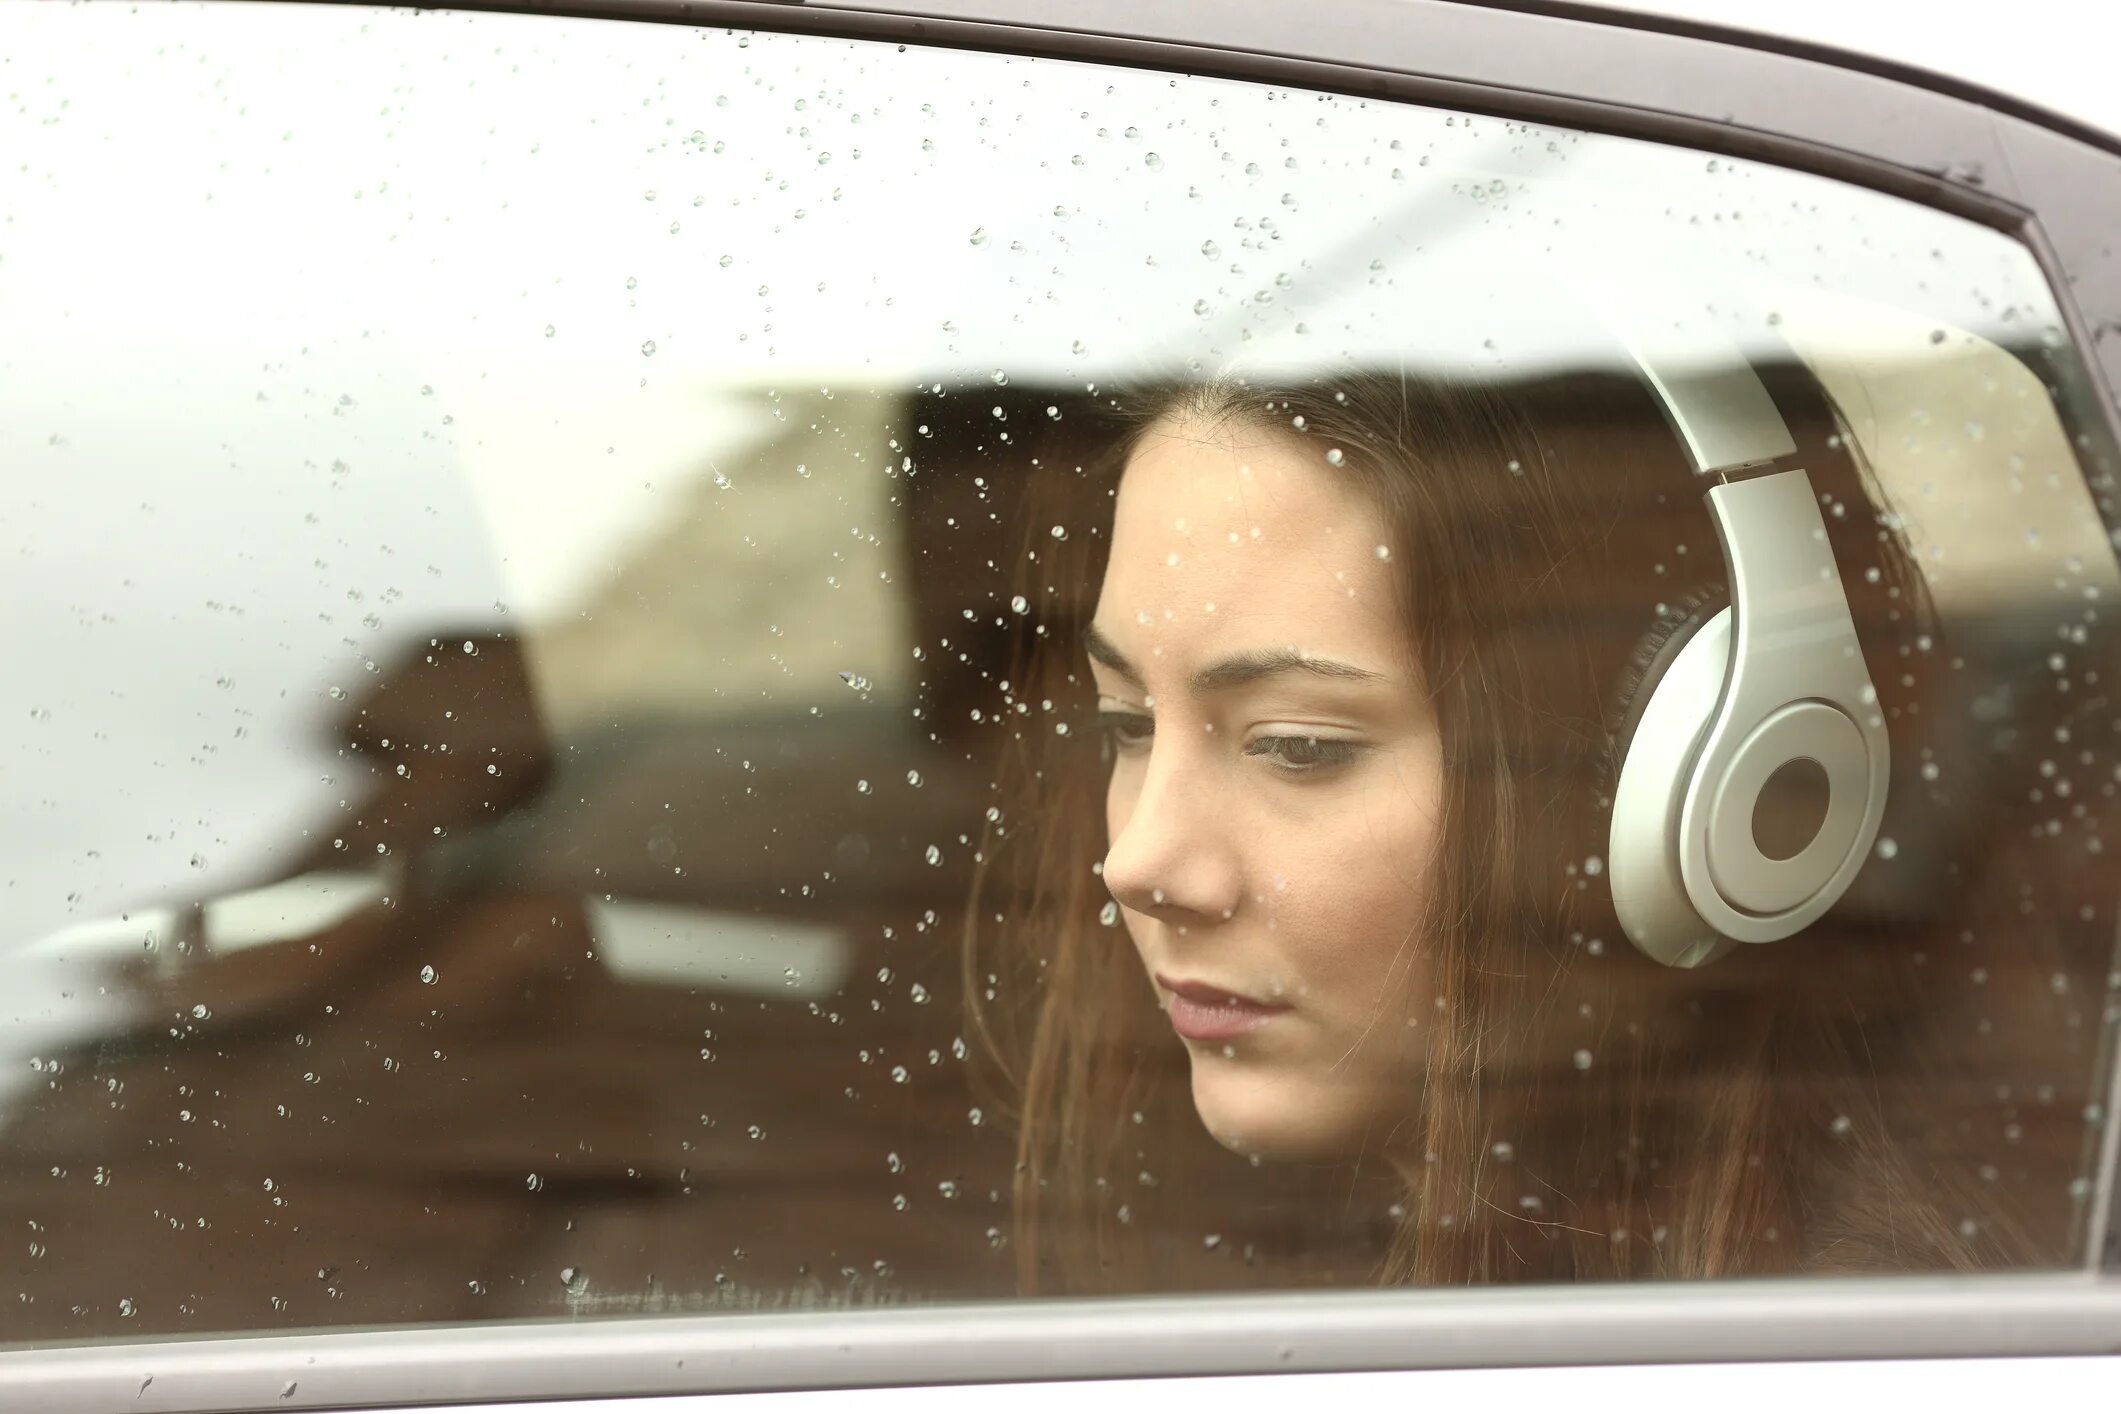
x: 1584, y: 1113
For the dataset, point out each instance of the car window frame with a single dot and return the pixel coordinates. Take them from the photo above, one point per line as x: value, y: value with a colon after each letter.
x: 2055, y: 188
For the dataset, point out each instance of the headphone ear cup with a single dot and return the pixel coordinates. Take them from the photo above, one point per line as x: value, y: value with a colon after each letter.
x: 1670, y: 690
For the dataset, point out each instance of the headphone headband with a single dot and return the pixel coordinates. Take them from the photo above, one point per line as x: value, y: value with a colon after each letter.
x: 1773, y: 682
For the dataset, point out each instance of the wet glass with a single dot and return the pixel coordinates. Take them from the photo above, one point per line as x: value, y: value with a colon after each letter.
x: 555, y: 766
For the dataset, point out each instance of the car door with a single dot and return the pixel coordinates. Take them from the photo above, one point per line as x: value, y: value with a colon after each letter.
x: 571, y: 838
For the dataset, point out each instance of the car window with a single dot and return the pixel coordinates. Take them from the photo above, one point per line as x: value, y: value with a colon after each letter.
x: 660, y: 670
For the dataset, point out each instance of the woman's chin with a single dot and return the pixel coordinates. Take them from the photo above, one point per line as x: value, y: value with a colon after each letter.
x: 1266, y: 1113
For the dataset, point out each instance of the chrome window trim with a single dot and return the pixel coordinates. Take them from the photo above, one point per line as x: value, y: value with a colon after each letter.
x: 1677, y: 1322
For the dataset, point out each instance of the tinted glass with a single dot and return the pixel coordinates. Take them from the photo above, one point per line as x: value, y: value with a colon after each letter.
x: 663, y: 670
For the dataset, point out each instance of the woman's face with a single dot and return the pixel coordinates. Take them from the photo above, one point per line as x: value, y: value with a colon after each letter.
x: 1275, y: 784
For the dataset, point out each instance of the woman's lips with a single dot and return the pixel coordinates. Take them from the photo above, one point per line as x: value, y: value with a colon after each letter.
x: 1203, y: 1013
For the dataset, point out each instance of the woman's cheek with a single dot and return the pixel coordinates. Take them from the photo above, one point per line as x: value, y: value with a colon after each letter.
x: 1364, y: 903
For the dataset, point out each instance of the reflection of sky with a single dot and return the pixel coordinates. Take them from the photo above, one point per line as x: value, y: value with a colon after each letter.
x: 195, y: 587
x: 222, y: 456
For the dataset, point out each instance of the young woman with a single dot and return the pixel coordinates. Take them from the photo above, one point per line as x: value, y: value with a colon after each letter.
x: 1293, y: 947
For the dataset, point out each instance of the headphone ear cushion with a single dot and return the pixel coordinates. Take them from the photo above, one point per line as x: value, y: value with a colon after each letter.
x: 1686, y: 663
x: 1653, y: 655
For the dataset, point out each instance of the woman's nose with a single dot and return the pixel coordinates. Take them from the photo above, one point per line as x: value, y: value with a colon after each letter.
x: 1173, y: 855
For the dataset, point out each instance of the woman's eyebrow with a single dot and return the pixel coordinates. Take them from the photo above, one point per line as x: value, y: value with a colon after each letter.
x: 1236, y: 670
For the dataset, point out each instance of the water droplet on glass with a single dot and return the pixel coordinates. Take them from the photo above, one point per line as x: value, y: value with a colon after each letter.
x: 1153, y: 162
x: 979, y: 235
x: 913, y: 778
x: 1335, y: 456
x: 648, y: 349
x: 427, y: 975
x: 1887, y: 847
x: 1109, y: 914
x: 1020, y: 604
x: 1210, y: 249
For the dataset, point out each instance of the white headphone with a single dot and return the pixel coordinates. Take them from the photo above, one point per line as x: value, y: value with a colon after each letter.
x: 1768, y: 695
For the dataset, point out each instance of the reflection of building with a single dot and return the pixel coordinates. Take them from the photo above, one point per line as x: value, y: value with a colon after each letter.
x: 764, y: 582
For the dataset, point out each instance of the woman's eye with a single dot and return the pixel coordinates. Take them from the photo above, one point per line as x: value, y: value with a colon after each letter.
x: 1302, y: 753
x: 1126, y: 730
